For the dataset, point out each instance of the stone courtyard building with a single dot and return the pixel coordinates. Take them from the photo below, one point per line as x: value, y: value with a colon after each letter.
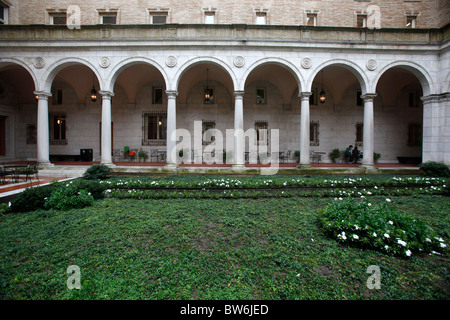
x: 157, y: 66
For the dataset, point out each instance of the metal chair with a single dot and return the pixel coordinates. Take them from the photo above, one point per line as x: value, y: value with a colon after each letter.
x: 285, y: 156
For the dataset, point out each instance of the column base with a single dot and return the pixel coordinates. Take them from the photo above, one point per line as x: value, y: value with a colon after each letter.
x: 108, y: 164
x: 238, y: 167
x: 304, y: 166
x: 45, y: 164
x: 171, y: 167
x: 369, y: 168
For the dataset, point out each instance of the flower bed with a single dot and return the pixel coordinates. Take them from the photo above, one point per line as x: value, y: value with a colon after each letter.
x: 379, y: 227
x: 276, y: 186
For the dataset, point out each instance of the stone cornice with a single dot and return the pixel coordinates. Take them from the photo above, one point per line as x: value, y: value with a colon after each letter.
x: 235, y: 32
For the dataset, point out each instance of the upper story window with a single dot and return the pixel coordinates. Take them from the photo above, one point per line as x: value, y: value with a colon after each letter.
x: 410, y: 22
x: 210, y: 17
x: 159, y: 16
x: 261, y: 16
x: 59, y: 20
x: 311, y: 17
x: 108, y: 16
x: 57, y: 16
x: 361, y: 20
x: 4, y: 8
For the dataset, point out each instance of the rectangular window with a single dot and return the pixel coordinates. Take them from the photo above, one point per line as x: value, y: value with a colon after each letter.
x: 3, y: 14
x: 57, y: 96
x: 109, y: 19
x: 359, y: 101
x: 207, y: 135
x: 261, y: 132
x: 31, y: 134
x: 261, y: 18
x: 260, y: 95
x: 313, y: 97
x: 359, y: 134
x: 410, y: 22
x: 155, y: 128
x: 210, y: 17
x: 59, y: 20
x: 57, y: 125
x: 159, y: 18
x: 311, y: 19
x: 413, y: 99
x: 361, y: 20
x: 414, y: 135
x: 314, y: 133
x: 157, y: 95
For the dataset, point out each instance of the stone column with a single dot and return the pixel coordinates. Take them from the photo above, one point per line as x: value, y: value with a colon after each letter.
x: 239, y: 142
x: 43, y: 138
x: 106, y: 127
x: 304, y: 129
x: 171, y: 159
x: 368, y: 131
x: 435, y: 133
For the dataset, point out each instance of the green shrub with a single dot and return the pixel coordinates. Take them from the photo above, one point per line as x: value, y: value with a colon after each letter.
x: 97, y: 172
x: 435, y: 169
x: 31, y: 199
x: 96, y: 189
x: 66, y: 196
x: 381, y: 227
x: 4, y: 208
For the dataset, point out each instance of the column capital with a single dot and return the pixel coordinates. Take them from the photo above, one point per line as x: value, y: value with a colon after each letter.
x: 239, y: 94
x: 368, y: 96
x: 435, y: 98
x: 304, y: 95
x: 42, y: 95
x: 172, y: 93
x: 106, y: 94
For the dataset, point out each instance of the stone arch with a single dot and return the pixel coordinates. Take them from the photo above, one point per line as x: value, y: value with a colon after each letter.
x: 11, y: 61
x: 277, y: 61
x: 354, y: 68
x: 421, y: 74
x: 230, y: 85
x: 109, y: 86
x: 59, y: 65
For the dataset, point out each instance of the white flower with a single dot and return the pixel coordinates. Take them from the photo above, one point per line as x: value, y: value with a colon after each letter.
x: 9, y: 204
x: 388, y: 200
x: 356, y: 227
x: 386, y: 247
x: 408, y: 253
x: 428, y: 240
x: 401, y: 242
x: 443, y: 245
x: 390, y: 222
x: 375, y: 234
x: 369, y: 204
x: 386, y: 235
x: 355, y: 236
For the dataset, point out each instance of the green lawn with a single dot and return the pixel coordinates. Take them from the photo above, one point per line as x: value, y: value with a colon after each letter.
x: 271, y: 248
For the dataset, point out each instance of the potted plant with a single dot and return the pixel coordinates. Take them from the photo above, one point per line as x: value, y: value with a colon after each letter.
x: 335, y: 153
x: 142, y: 155
x: 297, y: 155
x: 376, y: 156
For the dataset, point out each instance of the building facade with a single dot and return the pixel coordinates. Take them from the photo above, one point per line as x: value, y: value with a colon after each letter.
x: 384, y: 67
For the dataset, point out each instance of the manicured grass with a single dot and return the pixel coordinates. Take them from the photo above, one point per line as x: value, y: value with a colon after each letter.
x: 268, y: 248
